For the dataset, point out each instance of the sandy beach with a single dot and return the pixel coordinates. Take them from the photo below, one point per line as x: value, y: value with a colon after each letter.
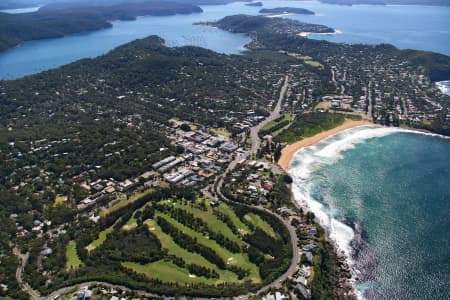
x: 289, y: 151
x: 306, y: 33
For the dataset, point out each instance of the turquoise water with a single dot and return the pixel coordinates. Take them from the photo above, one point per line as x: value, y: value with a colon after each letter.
x: 417, y: 27
x: 395, y: 186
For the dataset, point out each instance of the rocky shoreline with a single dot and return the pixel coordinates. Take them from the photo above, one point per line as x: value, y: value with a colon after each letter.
x: 343, y: 274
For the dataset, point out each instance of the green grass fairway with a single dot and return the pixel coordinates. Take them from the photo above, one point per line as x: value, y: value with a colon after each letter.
x: 166, y: 271
x: 109, y: 248
x: 260, y: 223
x: 307, y: 59
x: 124, y: 203
x: 101, y: 238
x: 214, y: 224
x: 325, y: 105
x: 238, y: 259
x: 272, y: 124
x: 189, y: 257
x: 314, y: 63
x: 225, y: 209
x: 131, y: 224
x: 72, y: 260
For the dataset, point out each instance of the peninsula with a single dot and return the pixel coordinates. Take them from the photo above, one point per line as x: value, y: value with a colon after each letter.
x: 252, y: 24
x: 256, y: 4
x: 60, y: 19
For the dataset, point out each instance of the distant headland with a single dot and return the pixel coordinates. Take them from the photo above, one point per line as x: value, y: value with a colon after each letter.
x: 389, y: 2
x: 257, y: 4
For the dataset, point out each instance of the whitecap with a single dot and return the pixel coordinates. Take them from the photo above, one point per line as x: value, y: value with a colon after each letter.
x: 444, y: 86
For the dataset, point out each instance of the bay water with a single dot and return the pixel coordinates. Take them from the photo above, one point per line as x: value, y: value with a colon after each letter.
x: 416, y: 27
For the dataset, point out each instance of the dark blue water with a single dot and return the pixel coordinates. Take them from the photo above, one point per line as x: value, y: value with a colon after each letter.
x: 417, y: 27
x: 398, y: 188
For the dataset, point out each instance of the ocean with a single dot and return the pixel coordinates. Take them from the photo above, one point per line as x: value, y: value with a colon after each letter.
x: 415, y: 27
x: 444, y: 86
x: 384, y: 196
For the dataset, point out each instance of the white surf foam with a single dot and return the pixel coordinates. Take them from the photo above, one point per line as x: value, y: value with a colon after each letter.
x: 329, y: 151
x: 444, y: 86
x: 310, y: 159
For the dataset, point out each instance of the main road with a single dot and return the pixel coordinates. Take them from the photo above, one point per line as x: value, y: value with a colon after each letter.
x: 275, y: 114
x: 255, y: 147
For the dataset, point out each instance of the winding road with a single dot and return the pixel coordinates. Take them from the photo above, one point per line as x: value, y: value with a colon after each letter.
x: 23, y: 259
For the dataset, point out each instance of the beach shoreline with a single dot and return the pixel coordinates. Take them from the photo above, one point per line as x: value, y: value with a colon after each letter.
x: 289, y: 151
x: 307, y: 33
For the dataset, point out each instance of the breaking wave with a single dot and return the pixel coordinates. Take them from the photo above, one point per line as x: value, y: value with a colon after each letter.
x: 444, y: 86
x: 304, y: 170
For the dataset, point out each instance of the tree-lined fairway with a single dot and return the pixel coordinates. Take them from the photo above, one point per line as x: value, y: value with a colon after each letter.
x: 101, y: 238
x: 189, y: 257
x: 167, y: 271
x: 72, y: 260
x: 213, y: 222
x: 131, y: 224
x: 193, y: 241
x: 126, y: 202
x: 260, y: 223
x: 272, y: 124
x: 237, y: 259
x: 225, y: 209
